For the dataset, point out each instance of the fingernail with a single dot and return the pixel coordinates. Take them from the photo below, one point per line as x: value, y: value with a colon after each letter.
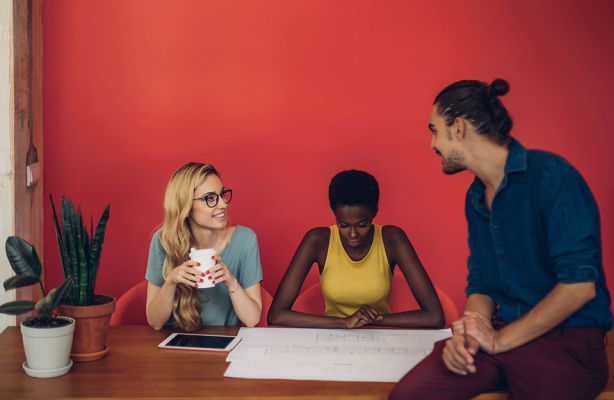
x: 213, y: 257
x: 202, y: 280
x: 209, y: 277
x: 196, y: 285
x: 203, y: 274
x: 198, y: 264
x: 213, y: 281
x: 208, y: 272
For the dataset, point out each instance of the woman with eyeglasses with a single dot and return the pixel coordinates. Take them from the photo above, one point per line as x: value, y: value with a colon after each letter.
x: 196, y: 216
x: 356, y: 259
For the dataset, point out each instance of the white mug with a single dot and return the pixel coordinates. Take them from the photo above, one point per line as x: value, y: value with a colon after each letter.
x: 204, y: 257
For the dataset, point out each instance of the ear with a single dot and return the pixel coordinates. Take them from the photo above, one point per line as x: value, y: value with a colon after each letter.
x: 459, y: 128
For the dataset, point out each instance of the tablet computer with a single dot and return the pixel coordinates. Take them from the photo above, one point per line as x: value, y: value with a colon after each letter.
x: 195, y: 341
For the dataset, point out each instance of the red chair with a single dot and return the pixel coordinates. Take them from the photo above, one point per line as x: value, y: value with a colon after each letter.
x: 401, y: 299
x: 310, y: 301
x: 267, y: 299
x: 130, y: 307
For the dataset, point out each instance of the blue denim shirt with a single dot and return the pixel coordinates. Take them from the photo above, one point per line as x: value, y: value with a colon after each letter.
x: 542, y: 229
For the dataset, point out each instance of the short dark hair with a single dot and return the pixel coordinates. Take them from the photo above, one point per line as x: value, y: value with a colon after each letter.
x: 353, y: 188
x: 478, y: 103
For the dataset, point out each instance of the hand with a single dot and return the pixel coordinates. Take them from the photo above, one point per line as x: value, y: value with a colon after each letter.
x: 220, y: 273
x: 458, y: 358
x: 186, y: 274
x: 481, y: 330
x: 364, y: 316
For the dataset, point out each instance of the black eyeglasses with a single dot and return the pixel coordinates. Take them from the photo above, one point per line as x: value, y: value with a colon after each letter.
x: 211, y: 199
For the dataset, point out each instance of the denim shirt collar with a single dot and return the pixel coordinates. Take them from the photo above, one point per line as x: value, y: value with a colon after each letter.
x: 516, y: 162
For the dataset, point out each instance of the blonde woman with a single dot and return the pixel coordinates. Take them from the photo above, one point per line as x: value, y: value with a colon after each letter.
x: 196, y: 215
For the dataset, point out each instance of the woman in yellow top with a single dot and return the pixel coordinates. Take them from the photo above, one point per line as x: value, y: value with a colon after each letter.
x: 356, y: 259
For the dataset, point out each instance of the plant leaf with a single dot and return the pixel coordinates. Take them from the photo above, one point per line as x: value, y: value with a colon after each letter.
x: 22, y: 257
x: 61, y: 243
x: 50, y: 295
x: 18, y: 281
x: 42, y: 306
x: 96, y: 244
x: 17, y: 307
x: 84, y: 269
x: 69, y: 238
x: 40, y: 303
x: 60, y: 294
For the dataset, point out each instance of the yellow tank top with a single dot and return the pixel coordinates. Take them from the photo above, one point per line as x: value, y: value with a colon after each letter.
x: 346, y: 284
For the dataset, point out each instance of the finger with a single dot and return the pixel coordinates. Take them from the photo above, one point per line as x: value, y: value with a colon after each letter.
x: 457, y: 327
x: 192, y: 270
x: 191, y: 263
x: 474, y: 346
x: 185, y: 279
x: 364, y: 318
x: 218, y: 274
x: 457, y: 347
x: 453, y: 369
x: 359, y: 323
x: 217, y: 258
x: 191, y: 275
x: 370, y: 312
x: 456, y: 356
x: 452, y: 364
x: 463, y: 353
x: 376, y: 314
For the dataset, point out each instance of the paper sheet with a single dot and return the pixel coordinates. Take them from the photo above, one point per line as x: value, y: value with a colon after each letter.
x: 369, y: 355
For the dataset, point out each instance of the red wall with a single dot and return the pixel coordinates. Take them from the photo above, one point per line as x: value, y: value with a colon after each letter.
x: 280, y: 95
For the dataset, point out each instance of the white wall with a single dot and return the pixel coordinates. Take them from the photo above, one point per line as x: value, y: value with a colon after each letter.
x: 7, y: 172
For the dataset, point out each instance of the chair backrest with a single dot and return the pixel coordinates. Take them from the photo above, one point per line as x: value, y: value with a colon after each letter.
x: 130, y: 307
x: 401, y: 299
x: 310, y: 301
x: 267, y: 299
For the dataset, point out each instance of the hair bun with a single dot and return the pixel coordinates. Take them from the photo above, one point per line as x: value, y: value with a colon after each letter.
x: 498, y: 87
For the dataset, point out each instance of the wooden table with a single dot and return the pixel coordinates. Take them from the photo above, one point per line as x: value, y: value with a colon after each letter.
x: 136, y: 368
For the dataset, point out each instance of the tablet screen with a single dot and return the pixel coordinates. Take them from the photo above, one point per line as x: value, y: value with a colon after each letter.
x: 200, y: 341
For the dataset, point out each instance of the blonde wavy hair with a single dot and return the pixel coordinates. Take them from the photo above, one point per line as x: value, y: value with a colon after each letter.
x: 176, y: 237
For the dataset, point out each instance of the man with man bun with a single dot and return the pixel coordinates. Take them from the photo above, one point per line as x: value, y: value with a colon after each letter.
x: 537, y: 305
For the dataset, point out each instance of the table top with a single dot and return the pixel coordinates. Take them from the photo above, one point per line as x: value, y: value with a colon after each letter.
x: 136, y: 368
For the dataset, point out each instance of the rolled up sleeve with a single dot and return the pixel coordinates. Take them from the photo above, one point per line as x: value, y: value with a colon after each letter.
x: 571, y: 219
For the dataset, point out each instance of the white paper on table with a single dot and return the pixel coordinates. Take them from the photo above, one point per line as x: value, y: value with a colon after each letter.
x: 350, y: 372
x: 373, y: 355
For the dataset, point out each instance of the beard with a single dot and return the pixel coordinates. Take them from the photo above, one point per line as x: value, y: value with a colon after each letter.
x: 454, y: 163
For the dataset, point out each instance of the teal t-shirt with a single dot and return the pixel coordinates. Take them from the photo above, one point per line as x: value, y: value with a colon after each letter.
x: 241, y: 256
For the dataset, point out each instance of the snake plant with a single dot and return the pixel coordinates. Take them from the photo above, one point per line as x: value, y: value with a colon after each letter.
x: 80, y: 251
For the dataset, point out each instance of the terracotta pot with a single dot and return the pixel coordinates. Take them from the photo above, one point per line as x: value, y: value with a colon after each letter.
x: 91, y: 327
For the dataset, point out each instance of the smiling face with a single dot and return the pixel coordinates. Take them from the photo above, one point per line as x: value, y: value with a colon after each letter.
x: 201, y: 214
x: 445, y: 145
x: 355, y: 225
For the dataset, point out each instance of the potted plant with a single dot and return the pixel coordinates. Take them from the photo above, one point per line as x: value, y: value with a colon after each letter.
x: 47, y: 338
x: 80, y: 253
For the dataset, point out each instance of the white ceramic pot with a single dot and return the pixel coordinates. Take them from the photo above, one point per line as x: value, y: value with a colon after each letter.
x: 47, y: 349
